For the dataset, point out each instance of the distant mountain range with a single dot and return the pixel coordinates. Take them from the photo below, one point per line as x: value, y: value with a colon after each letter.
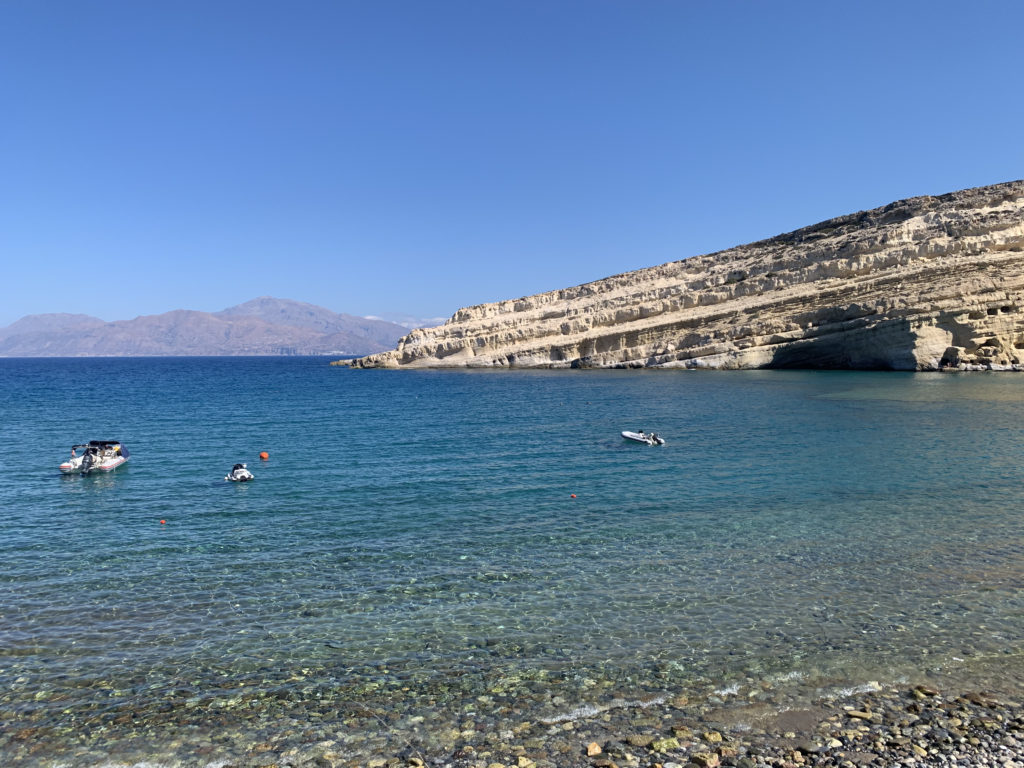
x: 263, y: 326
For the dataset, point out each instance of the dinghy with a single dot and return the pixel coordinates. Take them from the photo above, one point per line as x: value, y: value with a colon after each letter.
x: 102, y: 455
x: 648, y: 438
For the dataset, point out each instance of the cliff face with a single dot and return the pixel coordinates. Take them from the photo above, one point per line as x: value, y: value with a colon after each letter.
x: 921, y: 284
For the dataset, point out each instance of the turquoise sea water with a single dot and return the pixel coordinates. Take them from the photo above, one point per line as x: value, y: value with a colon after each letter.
x: 411, y: 558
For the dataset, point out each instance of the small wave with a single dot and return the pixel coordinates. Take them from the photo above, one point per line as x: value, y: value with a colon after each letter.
x: 788, y: 677
x: 855, y: 690
x: 590, y: 710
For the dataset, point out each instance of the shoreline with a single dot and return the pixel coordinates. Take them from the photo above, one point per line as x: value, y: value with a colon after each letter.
x: 907, y: 724
x: 901, y: 725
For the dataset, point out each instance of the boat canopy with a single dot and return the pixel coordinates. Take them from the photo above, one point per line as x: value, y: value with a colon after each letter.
x: 102, y: 444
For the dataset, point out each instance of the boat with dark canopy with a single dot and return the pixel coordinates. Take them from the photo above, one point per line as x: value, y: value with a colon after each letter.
x: 102, y: 455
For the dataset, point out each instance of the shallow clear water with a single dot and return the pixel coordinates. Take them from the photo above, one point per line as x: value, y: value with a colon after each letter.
x: 412, y: 548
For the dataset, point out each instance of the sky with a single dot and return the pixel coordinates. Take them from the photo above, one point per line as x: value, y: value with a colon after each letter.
x: 418, y: 156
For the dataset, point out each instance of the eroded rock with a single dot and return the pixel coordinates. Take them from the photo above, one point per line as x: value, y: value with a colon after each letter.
x: 927, y: 283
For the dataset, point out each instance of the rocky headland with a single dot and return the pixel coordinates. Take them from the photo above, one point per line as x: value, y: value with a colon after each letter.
x: 928, y: 283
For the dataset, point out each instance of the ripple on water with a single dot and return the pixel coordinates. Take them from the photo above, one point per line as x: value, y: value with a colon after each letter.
x: 410, y: 561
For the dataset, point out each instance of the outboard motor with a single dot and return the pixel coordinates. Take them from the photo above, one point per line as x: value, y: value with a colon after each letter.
x: 88, y: 460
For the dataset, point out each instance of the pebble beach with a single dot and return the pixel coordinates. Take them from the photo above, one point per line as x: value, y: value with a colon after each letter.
x: 905, y: 726
x: 875, y: 725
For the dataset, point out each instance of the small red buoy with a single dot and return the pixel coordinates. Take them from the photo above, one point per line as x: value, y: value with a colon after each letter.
x: 163, y: 522
x: 264, y: 455
x: 572, y: 495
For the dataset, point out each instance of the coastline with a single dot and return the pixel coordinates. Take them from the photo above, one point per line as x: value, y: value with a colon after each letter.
x: 902, y: 725
x: 976, y: 721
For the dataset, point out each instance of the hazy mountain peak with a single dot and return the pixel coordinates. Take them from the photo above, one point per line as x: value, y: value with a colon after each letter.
x: 264, y: 305
x: 300, y: 314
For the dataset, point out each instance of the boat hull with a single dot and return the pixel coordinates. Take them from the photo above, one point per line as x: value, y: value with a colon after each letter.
x: 641, y: 437
x: 103, y: 466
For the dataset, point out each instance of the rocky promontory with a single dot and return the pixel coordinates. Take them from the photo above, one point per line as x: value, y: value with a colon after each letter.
x: 927, y: 283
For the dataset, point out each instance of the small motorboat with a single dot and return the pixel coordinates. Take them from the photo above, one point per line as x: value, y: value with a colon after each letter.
x: 648, y: 438
x: 239, y: 474
x: 102, y: 455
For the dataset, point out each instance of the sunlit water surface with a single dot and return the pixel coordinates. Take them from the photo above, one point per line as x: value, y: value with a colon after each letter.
x: 484, y: 545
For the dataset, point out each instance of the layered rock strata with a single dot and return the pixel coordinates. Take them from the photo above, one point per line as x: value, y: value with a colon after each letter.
x: 927, y: 283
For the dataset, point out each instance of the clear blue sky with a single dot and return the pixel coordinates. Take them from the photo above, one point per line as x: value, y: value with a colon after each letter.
x: 376, y: 156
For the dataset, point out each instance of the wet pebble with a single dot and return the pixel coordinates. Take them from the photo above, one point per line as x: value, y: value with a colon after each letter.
x: 914, y: 727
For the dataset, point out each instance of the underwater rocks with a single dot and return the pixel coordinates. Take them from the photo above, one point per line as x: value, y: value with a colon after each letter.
x: 927, y: 283
x: 908, y: 726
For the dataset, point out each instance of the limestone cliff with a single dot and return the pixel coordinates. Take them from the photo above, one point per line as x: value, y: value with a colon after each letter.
x: 921, y: 284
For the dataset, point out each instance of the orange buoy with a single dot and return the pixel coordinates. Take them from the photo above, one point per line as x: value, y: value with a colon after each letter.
x: 572, y: 495
x: 163, y: 522
x: 264, y: 455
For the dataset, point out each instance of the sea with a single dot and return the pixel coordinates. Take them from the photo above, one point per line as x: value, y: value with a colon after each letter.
x: 428, y: 558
